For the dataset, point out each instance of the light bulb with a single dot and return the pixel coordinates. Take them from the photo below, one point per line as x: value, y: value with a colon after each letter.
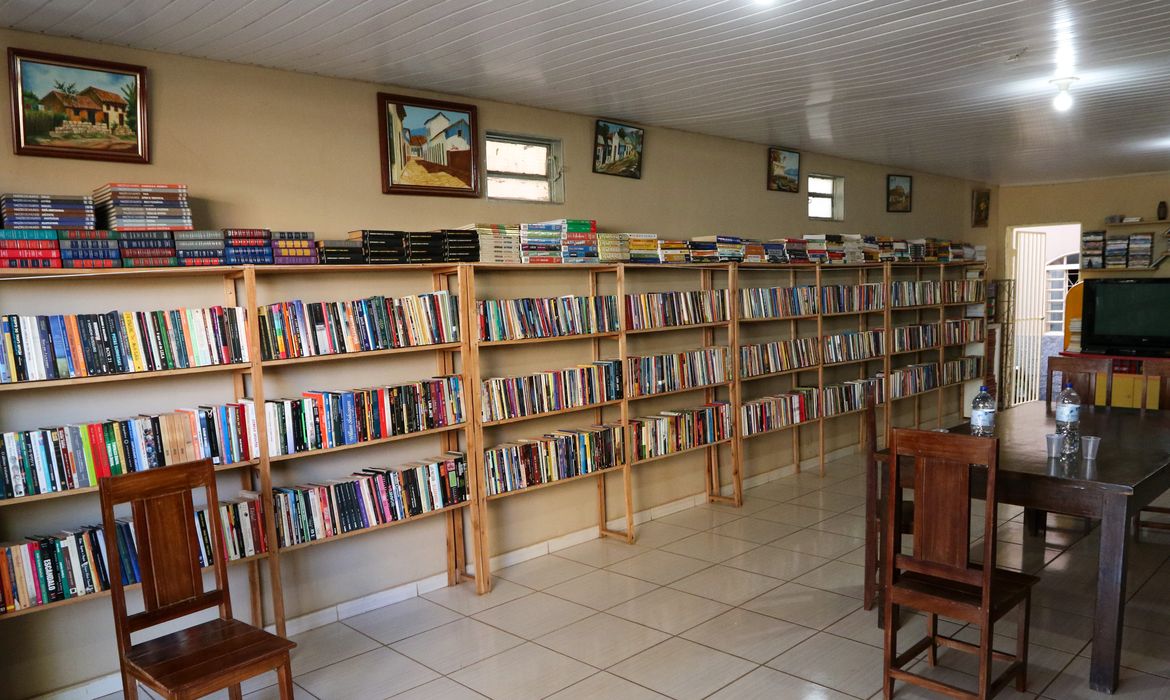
x: 1062, y: 102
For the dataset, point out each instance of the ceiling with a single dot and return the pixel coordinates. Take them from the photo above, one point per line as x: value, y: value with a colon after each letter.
x: 956, y: 87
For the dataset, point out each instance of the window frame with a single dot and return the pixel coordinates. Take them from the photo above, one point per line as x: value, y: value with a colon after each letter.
x: 836, y: 199
x: 554, y: 170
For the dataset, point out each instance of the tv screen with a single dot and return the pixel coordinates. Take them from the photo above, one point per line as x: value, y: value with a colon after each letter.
x: 1127, y: 316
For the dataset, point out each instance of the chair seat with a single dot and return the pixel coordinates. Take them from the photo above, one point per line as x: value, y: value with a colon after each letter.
x: 217, y: 648
x: 960, y: 600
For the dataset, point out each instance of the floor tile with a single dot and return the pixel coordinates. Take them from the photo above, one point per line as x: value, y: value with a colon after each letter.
x: 327, y: 645
x: 659, y: 567
x: 751, y: 504
x: 699, y: 518
x: 668, y: 610
x: 755, y: 530
x: 856, y: 557
x: 828, y: 500
x: 709, y: 547
x: 777, y: 563
x: 456, y: 645
x: 861, y: 626
x: 380, y: 673
x: 726, y: 585
x: 542, y: 572
x: 600, y: 552
x: 526, y: 672
x: 836, y: 577
x: 843, y: 524
x: 601, y: 589
x: 439, y: 689
x: 769, y: 684
x: 953, y: 677
x: 656, y: 533
x: 606, y: 685
x: 1073, y: 684
x: 1044, y: 664
x: 272, y: 692
x: 819, y: 543
x: 779, y: 491
x: 748, y: 635
x: 682, y: 669
x: 854, y: 486
x: 791, y: 514
x: 602, y: 640
x: 855, y: 668
x: 531, y: 616
x: 803, y: 605
x: 464, y: 600
x: 401, y: 620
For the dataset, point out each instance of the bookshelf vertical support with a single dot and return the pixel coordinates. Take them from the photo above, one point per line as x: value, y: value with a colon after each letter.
x: 469, y: 344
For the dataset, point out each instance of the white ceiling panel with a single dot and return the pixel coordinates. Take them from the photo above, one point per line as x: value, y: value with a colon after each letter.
x: 958, y: 87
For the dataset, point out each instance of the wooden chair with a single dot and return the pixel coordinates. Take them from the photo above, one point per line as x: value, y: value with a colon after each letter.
x: 938, y: 578
x: 203, y: 658
x: 871, y: 594
x: 1069, y: 366
x: 1161, y: 370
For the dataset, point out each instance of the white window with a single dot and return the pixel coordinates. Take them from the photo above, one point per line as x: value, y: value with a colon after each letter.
x: 826, y: 197
x: 526, y: 168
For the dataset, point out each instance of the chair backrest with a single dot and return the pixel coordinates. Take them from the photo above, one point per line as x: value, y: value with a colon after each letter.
x: 1084, y: 366
x: 1154, y: 368
x: 943, y: 465
x: 167, y: 544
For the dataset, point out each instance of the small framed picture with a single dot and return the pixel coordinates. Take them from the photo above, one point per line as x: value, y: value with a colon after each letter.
x: 617, y: 149
x: 783, y: 170
x: 980, y: 208
x: 72, y: 107
x: 428, y: 147
x: 898, y: 195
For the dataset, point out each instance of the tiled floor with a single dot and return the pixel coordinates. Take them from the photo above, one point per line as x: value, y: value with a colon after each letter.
x: 758, y: 602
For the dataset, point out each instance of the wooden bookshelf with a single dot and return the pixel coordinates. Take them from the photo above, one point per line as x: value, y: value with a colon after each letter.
x: 123, y: 377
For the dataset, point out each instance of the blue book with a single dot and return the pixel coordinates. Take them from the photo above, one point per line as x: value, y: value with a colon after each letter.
x: 60, y: 346
x: 5, y: 375
x: 349, y: 418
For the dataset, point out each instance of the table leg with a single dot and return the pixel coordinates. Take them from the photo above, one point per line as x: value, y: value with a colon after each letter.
x: 1035, y: 521
x: 1111, y: 568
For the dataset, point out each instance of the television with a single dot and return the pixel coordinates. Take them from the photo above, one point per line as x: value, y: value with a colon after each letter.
x: 1126, y: 317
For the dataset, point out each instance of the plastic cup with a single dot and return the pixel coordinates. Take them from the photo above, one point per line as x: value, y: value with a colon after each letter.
x: 1089, y: 446
x: 1055, y: 444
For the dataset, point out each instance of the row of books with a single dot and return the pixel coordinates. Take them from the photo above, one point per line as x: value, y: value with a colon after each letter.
x: 763, y: 415
x: 643, y: 248
x: 291, y: 329
x: 540, y: 243
x: 128, y: 206
x: 777, y: 356
x: 845, y: 298
x: 1092, y: 250
x: 546, y: 317
x: 29, y: 248
x: 914, y: 338
x: 658, y: 374
x: 384, y: 247
x: 369, y: 498
x: 913, y: 379
x: 49, y: 460
x: 561, y: 454
x: 46, y: 211
x: 498, y: 243
x: 962, y: 369
x: 554, y: 390
x: 851, y: 346
x: 320, y: 420
x: 658, y: 309
x: 35, y: 348
x: 968, y: 291
x: 680, y: 429
x: 849, y: 396
x: 960, y: 331
x: 778, y: 302
x: 911, y: 293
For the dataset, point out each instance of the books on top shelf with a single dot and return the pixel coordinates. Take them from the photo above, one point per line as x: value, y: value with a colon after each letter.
x: 546, y: 317
x: 29, y: 248
x: 291, y: 329
x: 341, y: 252
x: 844, y: 298
x: 147, y: 248
x: 597, y: 382
x: 47, y: 211
x: 560, y: 454
x: 321, y: 420
x: 643, y: 247
x: 199, y: 248
x: 613, y: 247
x: 674, y: 251
x: 769, y: 413
x: 36, y: 348
x: 962, y: 369
x: 849, y: 346
x: 247, y: 246
x: 48, y: 460
x: 651, y: 310
x: 498, y: 243
x: 1141, y: 250
x: 915, y: 337
x: 777, y: 356
x: 691, y: 369
x: 777, y: 302
x: 126, y: 206
x: 726, y: 248
x: 680, y: 429
x: 960, y: 331
x: 914, y: 293
x: 541, y: 242
x: 368, y: 498
x: 294, y: 248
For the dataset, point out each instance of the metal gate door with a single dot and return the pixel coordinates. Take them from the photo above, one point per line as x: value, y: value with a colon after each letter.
x: 1029, y: 318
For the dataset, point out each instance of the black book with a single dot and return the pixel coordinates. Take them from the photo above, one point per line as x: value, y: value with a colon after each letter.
x: 46, y: 349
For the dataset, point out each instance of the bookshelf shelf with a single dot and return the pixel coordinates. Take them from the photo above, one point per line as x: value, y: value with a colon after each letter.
x: 325, y: 269
x: 690, y: 326
x: 835, y: 314
x: 928, y: 348
x: 780, y: 373
x: 554, y: 482
x: 916, y: 307
x: 845, y: 363
x: 551, y: 339
x: 724, y: 441
x: 449, y: 347
x: 780, y: 429
x: 370, y: 443
x: 124, y: 377
x: 701, y: 387
x: 774, y: 319
x: 382, y: 526
x: 16, y: 274
x: 547, y: 414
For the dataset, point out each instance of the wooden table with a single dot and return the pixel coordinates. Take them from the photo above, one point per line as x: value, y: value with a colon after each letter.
x: 1131, y: 470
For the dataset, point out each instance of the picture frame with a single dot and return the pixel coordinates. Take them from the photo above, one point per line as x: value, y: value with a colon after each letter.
x: 75, y: 107
x: 617, y: 149
x: 980, y: 208
x: 899, y: 193
x: 783, y: 170
x: 428, y: 147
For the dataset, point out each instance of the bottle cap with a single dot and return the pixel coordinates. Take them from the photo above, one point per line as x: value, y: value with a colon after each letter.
x: 982, y: 388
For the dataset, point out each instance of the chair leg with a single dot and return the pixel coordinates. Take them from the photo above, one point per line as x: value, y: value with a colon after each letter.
x: 129, y: 686
x: 284, y: 677
x: 234, y: 692
x: 932, y: 632
x: 891, y: 614
x: 1024, y: 614
x: 986, y: 636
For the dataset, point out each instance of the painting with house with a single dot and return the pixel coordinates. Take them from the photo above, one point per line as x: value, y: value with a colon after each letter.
x: 617, y: 149
x: 428, y: 147
x: 66, y: 106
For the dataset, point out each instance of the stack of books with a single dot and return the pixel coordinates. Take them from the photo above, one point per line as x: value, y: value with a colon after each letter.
x: 540, y: 243
x: 29, y: 248
x: 86, y: 248
x: 797, y: 250
x: 382, y: 247
x: 1141, y: 250
x: 340, y: 252
x: 425, y: 247
x: 754, y: 252
x: 776, y: 251
x: 1092, y: 250
x: 580, y: 247
x: 1116, y: 252
x: 703, y: 251
x: 853, y: 251
x: 870, y: 249
x: 247, y: 246
x: 613, y: 247
x: 462, y: 246
x: 47, y: 211
x: 916, y: 250
x: 643, y: 247
x: 673, y: 251
x: 147, y: 248
x: 498, y: 243
x: 199, y: 248
x: 123, y: 206
x: 728, y: 248
x: 294, y: 248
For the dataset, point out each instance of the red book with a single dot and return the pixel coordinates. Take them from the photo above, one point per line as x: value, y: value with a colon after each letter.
x: 38, y: 253
x: 97, y: 441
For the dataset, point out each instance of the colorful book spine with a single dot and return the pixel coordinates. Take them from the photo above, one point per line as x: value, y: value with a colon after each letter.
x: 547, y: 317
x: 842, y: 298
x: 960, y: 331
x: 660, y: 374
x: 919, y: 293
x: 555, y: 390
x: 770, y: 413
x: 912, y: 379
x: 683, y: 429
x: 778, y: 302
x: 558, y: 455
x: 851, y: 346
x: 777, y: 356
x: 962, y: 369
x: 848, y: 397
x: 659, y: 309
x: 963, y: 291
x: 915, y: 338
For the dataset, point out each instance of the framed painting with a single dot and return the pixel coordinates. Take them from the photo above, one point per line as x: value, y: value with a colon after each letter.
x: 428, y: 147
x: 783, y: 170
x: 980, y: 208
x: 898, y: 193
x: 617, y: 149
x: 71, y: 107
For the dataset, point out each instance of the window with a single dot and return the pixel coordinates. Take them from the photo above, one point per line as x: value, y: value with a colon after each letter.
x: 1061, y: 274
x: 826, y: 197
x: 525, y: 168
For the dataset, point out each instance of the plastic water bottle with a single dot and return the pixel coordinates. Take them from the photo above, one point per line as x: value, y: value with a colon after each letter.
x: 983, y: 414
x: 1068, y: 419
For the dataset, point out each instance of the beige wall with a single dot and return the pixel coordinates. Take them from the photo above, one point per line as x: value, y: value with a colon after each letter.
x: 274, y: 149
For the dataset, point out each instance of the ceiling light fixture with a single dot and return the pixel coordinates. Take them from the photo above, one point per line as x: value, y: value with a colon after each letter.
x: 765, y: 3
x: 1063, y: 100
